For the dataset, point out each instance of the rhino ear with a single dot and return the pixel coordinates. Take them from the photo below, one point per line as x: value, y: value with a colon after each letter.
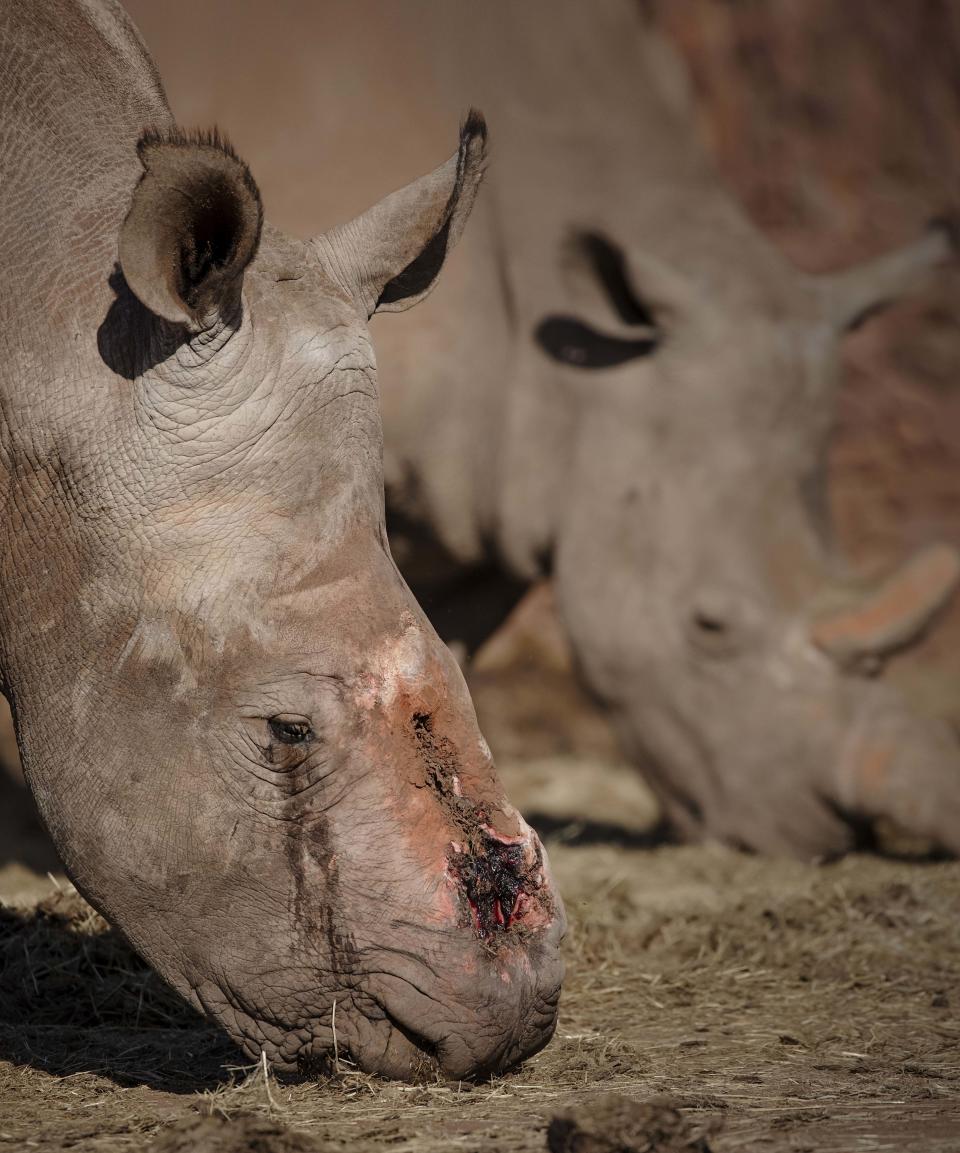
x: 393, y: 253
x: 850, y: 297
x: 192, y: 228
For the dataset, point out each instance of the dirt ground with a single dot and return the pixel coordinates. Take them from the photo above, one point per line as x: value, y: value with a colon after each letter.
x: 780, y: 1006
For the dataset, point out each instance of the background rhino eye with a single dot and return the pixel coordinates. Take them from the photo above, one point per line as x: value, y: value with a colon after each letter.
x: 572, y: 342
x: 290, y: 730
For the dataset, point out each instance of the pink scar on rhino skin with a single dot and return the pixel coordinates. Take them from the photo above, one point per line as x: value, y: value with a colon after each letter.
x: 398, y: 666
x: 493, y: 870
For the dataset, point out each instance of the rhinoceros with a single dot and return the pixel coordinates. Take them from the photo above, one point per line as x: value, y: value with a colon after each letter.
x: 252, y: 750
x: 631, y: 390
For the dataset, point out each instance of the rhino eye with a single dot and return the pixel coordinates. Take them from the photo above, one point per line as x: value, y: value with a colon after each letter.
x: 572, y: 342
x: 290, y: 730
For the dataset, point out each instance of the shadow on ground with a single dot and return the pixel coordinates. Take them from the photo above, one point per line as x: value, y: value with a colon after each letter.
x: 23, y: 839
x: 577, y: 832
x: 75, y: 998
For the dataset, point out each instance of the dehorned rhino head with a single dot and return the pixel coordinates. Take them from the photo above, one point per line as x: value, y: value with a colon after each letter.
x: 253, y: 752
x: 742, y: 664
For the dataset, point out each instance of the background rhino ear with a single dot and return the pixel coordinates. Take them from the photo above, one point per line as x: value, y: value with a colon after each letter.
x: 394, y: 251
x: 849, y: 297
x: 193, y: 227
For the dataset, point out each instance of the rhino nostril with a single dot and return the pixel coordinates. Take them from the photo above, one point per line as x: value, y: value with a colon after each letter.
x: 710, y: 625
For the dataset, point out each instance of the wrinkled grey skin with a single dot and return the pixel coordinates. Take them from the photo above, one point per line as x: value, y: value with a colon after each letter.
x: 254, y: 754
x: 674, y: 496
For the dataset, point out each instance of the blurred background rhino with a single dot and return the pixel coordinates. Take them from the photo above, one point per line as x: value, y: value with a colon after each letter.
x: 661, y: 161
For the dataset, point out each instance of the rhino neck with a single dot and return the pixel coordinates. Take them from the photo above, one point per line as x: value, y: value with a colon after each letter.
x: 76, y: 91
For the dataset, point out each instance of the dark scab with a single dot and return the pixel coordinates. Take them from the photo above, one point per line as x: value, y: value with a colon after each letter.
x: 493, y: 877
x: 439, y: 755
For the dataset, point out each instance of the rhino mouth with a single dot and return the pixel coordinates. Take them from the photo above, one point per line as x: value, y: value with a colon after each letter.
x: 481, y: 1045
x: 464, y: 1009
x: 385, y: 1046
x: 380, y: 1037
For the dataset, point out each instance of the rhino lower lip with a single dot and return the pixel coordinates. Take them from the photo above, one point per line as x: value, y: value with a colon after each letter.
x: 454, y: 1053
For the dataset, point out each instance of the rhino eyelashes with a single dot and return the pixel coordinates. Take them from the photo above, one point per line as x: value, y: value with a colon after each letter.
x: 290, y: 730
x: 570, y: 341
